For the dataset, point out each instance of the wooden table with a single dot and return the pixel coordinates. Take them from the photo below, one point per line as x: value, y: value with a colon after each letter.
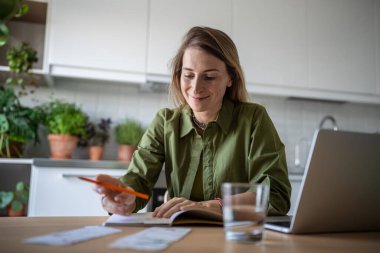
x: 201, y: 239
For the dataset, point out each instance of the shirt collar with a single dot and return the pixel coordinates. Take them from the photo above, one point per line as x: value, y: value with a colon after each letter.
x: 224, y: 118
x: 186, y: 122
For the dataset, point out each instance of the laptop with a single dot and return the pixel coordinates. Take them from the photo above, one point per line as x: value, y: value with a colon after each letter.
x: 340, y: 189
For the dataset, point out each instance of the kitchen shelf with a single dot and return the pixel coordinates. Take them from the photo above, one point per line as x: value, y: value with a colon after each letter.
x: 31, y: 29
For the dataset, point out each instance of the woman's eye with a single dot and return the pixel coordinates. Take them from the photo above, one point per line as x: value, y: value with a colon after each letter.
x: 188, y: 76
x: 210, y: 78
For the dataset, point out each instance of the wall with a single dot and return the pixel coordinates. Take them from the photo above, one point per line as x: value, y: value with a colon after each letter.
x: 295, y: 120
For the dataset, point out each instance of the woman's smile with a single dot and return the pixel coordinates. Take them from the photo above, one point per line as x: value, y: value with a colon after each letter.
x: 199, y: 98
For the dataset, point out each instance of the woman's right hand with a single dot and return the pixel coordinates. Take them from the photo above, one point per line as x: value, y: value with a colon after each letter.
x: 113, y: 201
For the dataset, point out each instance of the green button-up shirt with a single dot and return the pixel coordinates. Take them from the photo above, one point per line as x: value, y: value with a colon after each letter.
x: 241, y: 145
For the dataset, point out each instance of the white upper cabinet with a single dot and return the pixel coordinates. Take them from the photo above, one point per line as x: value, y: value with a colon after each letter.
x: 99, y: 39
x: 319, y: 49
x: 342, y: 45
x: 271, y: 39
x: 171, y: 19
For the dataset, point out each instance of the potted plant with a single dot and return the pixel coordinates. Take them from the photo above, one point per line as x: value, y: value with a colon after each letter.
x: 18, y: 124
x: 66, y: 124
x: 97, y: 136
x: 15, y: 202
x: 128, y: 134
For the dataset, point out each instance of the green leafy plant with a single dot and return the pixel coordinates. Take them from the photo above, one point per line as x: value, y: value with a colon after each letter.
x: 98, y: 134
x: 8, y: 10
x: 20, y: 61
x: 18, y: 124
x: 15, y: 200
x: 129, y: 132
x: 65, y: 118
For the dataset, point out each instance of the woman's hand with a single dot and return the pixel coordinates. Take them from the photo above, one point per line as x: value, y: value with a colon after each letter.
x: 181, y: 204
x: 113, y: 201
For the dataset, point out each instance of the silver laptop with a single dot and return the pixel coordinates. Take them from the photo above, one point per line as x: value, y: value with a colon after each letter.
x: 340, y: 189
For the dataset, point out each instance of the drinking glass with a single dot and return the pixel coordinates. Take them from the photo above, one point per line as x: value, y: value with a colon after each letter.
x: 244, y: 210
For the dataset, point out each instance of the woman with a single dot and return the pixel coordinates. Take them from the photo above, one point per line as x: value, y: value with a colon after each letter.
x: 213, y: 136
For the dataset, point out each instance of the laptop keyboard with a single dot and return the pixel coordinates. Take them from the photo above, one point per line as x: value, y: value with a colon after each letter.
x: 280, y: 223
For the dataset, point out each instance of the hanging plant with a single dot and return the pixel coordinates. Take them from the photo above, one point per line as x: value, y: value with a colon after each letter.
x: 20, y: 61
x: 8, y: 10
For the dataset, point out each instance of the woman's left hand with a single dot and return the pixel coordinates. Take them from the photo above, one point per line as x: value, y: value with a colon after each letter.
x: 181, y: 204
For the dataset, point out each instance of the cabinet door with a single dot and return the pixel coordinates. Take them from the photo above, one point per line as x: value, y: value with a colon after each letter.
x: 171, y: 19
x: 104, y: 35
x: 341, y: 44
x: 59, y: 192
x: 271, y: 38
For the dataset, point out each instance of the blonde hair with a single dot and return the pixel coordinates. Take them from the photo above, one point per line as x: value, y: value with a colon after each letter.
x: 218, y: 44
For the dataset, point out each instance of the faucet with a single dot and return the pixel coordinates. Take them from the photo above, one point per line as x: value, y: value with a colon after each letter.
x: 329, y: 118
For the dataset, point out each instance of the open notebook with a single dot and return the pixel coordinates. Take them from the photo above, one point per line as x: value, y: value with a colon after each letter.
x: 190, y: 217
x: 340, y: 190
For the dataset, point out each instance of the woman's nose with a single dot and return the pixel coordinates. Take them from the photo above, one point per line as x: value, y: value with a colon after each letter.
x: 197, y: 85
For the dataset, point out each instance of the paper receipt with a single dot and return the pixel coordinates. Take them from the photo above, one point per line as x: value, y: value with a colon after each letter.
x: 70, y: 237
x: 151, y: 239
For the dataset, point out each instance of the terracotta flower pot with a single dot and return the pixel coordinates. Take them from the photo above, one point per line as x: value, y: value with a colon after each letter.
x: 62, y: 146
x: 12, y: 213
x: 96, y: 152
x: 125, y: 152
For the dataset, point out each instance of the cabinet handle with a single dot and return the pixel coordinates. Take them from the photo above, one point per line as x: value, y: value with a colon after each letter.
x: 70, y: 175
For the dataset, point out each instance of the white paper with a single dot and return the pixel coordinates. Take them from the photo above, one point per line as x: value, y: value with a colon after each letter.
x: 151, y: 239
x: 136, y: 218
x: 70, y: 237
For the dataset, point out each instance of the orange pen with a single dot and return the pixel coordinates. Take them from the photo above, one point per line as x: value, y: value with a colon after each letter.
x: 116, y: 188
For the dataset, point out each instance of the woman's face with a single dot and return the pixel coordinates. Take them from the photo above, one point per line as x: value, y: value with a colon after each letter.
x: 204, y: 80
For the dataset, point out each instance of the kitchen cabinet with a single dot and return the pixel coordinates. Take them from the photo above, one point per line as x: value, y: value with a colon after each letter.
x: 169, y: 21
x: 97, y: 39
x: 342, y: 45
x: 57, y: 191
x: 30, y: 28
x: 309, y: 49
x: 13, y: 171
x: 327, y: 50
x: 271, y: 39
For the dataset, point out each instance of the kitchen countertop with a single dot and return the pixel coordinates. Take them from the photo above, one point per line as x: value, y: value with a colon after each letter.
x: 72, y: 163
x: 79, y: 163
x: 15, y: 161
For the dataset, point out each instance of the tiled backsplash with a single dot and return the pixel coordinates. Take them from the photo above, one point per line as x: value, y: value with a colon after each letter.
x: 295, y: 120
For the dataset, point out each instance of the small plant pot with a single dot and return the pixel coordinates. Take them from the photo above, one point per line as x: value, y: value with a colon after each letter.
x: 125, y: 152
x: 96, y: 152
x: 62, y: 146
x: 12, y: 213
